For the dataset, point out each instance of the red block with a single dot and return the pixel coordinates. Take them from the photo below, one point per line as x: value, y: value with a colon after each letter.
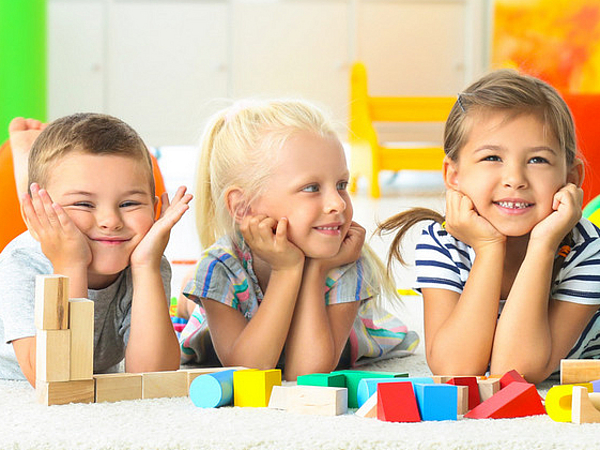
x: 396, y: 402
x: 510, y: 377
x: 471, y: 383
x: 515, y: 400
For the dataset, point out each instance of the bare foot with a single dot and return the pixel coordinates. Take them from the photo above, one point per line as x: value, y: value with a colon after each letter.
x: 22, y: 133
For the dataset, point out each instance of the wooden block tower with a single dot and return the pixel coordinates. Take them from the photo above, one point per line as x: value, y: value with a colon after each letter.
x: 64, y: 343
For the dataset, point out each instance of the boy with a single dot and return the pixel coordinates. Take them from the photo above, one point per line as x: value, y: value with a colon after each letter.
x: 90, y: 216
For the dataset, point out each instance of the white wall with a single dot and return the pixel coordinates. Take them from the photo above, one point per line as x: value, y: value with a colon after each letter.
x: 161, y: 64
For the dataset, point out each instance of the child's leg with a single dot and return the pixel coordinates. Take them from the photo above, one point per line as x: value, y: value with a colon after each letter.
x: 22, y: 133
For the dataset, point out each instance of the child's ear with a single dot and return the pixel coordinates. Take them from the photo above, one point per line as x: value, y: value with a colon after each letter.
x: 33, y: 233
x: 236, y: 203
x: 155, y: 206
x: 450, y: 173
x: 576, y: 173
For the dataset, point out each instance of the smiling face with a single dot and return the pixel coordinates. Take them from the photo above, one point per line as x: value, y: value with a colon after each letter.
x: 308, y: 186
x: 109, y: 199
x: 510, y: 167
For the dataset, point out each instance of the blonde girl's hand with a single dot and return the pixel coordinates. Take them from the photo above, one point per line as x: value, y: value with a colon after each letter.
x: 62, y: 242
x: 465, y: 224
x: 350, y: 249
x: 151, y: 248
x: 566, y: 206
x: 267, y: 238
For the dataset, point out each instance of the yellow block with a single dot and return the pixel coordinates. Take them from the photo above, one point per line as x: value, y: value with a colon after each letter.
x: 558, y: 401
x: 253, y: 387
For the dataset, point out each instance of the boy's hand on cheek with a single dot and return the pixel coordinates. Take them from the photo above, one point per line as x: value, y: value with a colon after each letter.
x: 465, y: 224
x: 349, y: 250
x: 62, y: 242
x: 566, y: 205
x: 267, y: 238
x: 151, y: 248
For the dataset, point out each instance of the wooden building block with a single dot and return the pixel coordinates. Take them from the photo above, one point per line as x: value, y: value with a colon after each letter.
x: 488, y: 387
x: 510, y: 377
x: 63, y: 392
x: 212, y: 390
x: 318, y: 400
x: 322, y: 379
x: 253, y: 387
x: 462, y: 400
x: 192, y: 374
x: 115, y: 387
x: 164, y: 384
x: 279, y: 397
x: 441, y: 378
x: 515, y: 400
x: 81, y: 324
x: 583, y: 410
x: 369, y: 408
x: 559, y: 401
x: 437, y: 401
x: 396, y: 402
x: 574, y: 371
x: 353, y: 377
x: 53, y: 355
x: 368, y: 386
x: 471, y: 383
x: 51, y: 302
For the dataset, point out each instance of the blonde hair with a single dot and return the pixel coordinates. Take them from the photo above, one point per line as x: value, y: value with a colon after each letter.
x: 240, y: 147
x: 88, y: 133
x: 502, y: 90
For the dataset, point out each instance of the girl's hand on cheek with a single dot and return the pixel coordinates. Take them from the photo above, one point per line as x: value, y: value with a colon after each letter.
x: 566, y: 205
x: 465, y: 224
x: 62, y: 242
x: 267, y: 238
x: 350, y: 249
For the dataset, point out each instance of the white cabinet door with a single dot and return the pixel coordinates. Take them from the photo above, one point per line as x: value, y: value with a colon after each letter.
x: 167, y: 62
x: 292, y: 48
x: 413, y: 47
x: 75, y: 57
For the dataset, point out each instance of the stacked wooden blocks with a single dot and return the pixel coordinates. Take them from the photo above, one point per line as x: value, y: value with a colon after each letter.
x: 577, y: 398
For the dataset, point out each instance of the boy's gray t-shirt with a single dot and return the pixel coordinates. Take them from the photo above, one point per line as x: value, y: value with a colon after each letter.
x: 20, y: 262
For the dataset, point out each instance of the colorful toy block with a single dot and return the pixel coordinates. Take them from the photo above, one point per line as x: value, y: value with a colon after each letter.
x: 322, y: 379
x: 368, y: 386
x: 574, y: 371
x: 116, y: 387
x: 253, y: 387
x: 81, y: 324
x: 462, y: 400
x: 318, y: 400
x: 164, y: 384
x: 279, y: 397
x: 583, y: 410
x: 396, y: 402
x: 510, y: 377
x: 353, y: 377
x: 192, y: 374
x: 596, y: 385
x: 437, y: 401
x: 471, y: 383
x: 515, y: 400
x: 369, y: 408
x: 559, y: 402
x: 51, y: 302
x: 213, y: 389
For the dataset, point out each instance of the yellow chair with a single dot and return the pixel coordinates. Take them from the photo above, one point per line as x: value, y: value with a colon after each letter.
x: 367, y: 155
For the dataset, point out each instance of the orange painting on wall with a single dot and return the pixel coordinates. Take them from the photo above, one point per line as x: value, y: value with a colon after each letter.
x: 555, y: 40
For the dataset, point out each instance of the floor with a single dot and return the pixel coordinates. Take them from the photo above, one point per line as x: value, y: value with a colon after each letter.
x: 400, y: 191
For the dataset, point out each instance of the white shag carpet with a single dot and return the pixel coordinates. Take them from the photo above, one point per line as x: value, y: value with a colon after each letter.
x: 177, y: 424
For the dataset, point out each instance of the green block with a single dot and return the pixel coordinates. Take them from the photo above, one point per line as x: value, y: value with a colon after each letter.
x: 353, y: 377
x: 322, y: 379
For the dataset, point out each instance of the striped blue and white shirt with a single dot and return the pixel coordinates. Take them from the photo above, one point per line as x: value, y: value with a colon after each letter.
x: 443, y: 262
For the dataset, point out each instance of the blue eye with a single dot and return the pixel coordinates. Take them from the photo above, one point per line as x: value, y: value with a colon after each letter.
x: 311, y: 188
x: 494, y: 158
x: 538, y: 160
x: 129, y: 204
x: 83, y: 204
x: 342, y: 185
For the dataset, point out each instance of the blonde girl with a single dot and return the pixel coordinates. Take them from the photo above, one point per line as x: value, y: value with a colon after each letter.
x: 285, y: 274
x: 511, y: 280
